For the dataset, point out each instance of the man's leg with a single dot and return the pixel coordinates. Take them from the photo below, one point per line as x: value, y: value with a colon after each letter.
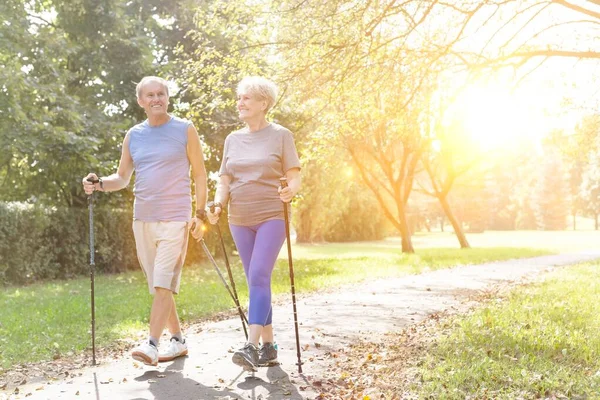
x: 162, y: 307
x: 145, y: 241
x: 172, y: 245
x: 173, y: 324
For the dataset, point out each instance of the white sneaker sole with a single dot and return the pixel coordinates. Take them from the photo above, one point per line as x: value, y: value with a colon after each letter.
x: 143, y: 357
x: 171, y: 358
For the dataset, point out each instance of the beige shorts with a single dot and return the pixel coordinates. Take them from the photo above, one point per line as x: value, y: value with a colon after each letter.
x: 161, y: 248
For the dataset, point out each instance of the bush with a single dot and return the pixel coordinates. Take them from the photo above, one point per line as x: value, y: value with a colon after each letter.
x: 40, y: 244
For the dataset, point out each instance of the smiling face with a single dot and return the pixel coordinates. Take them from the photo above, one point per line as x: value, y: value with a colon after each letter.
x: 250, y: 106
x: 154, y: 99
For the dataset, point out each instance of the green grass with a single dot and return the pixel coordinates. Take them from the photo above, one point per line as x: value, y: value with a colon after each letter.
x: 542, y: 341
x: 47, y: 320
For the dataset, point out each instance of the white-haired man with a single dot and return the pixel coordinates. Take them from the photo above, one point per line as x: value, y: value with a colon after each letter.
x: 161, y: 150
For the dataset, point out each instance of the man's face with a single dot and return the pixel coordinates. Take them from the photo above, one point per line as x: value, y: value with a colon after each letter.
x: 154, y: 99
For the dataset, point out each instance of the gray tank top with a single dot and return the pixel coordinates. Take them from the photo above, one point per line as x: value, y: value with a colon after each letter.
x: 162, y: 171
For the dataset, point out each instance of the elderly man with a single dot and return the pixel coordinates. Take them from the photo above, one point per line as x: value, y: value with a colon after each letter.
x: 161, y: 150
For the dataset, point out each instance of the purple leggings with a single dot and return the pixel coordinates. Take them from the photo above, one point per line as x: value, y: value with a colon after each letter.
x: 259, y: 246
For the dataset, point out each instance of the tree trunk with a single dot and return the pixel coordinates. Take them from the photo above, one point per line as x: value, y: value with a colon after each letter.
x: 460, y: 235
x: 407, y: 246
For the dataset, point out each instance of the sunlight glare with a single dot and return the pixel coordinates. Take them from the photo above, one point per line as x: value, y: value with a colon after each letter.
x: 494, y: 117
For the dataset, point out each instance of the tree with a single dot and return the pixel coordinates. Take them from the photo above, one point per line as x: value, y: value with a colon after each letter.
x: 551, y: 200
x: 70, y: 70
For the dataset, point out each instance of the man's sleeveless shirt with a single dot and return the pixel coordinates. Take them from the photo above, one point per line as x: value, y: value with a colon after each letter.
x: 162, y: 171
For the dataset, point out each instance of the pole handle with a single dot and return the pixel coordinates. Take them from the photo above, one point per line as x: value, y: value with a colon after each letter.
x: 212, y: 205
x: 283, y: 182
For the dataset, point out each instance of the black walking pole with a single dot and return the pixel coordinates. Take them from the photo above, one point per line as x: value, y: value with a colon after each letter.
x: 289, y: 249
x: 92, y: 268
x: 211, y: 205
x: 214, y: 263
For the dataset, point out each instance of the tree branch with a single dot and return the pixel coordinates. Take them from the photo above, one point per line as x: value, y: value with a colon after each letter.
x: 579, y: 9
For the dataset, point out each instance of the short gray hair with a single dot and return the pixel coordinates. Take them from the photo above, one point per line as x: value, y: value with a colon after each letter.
x: 148, y: 79
x: 259, y: 87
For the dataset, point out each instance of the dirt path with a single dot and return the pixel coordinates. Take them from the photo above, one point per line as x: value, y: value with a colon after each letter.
x: 329, y: 321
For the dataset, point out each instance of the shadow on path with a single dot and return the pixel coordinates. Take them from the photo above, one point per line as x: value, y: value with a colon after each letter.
x: 173, y: 385
x: 278, y: 385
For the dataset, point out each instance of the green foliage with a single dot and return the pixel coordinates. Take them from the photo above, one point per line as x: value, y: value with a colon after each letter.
x: 540, y: 342
x: 69, y: 70
x: 220, y: 49
x: 360, y: 217
x: 39, y: 243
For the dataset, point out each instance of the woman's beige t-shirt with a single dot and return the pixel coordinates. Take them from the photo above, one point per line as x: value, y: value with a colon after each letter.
x: 255, y: 161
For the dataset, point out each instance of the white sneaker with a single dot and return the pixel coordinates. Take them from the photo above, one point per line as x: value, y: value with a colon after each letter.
x: 146, y: 353
x: 175, y: 349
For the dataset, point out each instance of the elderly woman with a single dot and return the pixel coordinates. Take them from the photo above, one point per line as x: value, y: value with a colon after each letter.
x: 254, y: 158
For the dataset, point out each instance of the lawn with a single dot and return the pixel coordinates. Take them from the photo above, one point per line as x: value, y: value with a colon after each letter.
x: 47, y: 320
x: 542, y: 341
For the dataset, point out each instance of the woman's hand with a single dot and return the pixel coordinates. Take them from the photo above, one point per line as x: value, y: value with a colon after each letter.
x: 286, y: 194
x: 213, y: 216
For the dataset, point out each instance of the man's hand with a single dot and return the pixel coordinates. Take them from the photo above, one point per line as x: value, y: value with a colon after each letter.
x: 197, y: 228
x: 88, y: 186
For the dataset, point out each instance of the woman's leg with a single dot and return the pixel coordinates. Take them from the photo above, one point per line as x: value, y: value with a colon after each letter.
x: 270, y: 236
x: 245, y: 238
x: 258, y: 247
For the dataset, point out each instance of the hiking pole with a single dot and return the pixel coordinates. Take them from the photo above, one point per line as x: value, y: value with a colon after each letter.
x: 214, y: 263
x: 92, y: 268
x: 284, y: 184
x: 211, y: 205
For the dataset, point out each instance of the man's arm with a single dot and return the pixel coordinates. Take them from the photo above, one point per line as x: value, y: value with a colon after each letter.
x: 196, y: 158
x: 116, y: 181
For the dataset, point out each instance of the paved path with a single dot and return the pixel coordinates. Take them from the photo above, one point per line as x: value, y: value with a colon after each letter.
x: 329, y: 322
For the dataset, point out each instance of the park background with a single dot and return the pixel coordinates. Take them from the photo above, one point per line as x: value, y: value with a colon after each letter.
x: 429, y: 123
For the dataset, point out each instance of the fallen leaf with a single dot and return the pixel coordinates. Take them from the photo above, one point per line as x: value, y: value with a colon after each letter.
x: 39, y: 388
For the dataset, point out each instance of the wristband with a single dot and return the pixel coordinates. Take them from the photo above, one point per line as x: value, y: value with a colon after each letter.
x: 201, y: 214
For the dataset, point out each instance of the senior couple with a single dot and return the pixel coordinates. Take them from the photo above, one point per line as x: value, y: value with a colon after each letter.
x: 161, y: 150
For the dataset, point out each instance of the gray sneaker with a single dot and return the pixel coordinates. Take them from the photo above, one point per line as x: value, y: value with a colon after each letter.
x: 246, y: 357
x: 267, y: 355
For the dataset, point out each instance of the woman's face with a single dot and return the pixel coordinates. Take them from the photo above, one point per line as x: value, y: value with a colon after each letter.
x: 250, y: 106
